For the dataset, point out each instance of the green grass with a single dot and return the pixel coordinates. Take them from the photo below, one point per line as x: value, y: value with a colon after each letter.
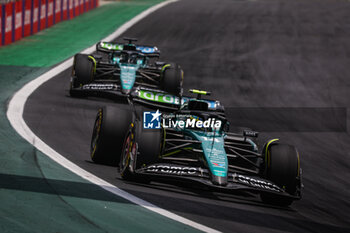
x: 64, y: 39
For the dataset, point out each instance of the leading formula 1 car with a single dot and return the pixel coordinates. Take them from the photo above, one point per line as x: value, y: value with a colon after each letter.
x: 121, y: 68
x: 208, y: 155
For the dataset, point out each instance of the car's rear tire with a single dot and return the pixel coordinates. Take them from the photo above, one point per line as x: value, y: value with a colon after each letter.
x: 111, y: 126
x: 282, y: 168
x: 172, y: 79
x: 83, y: 70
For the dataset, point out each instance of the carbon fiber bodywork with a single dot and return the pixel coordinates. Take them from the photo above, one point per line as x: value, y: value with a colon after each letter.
x: 121, y: 67
x: 193, y: 156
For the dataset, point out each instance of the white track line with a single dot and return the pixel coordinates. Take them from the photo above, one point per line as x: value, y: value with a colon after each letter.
x: 15, y: 116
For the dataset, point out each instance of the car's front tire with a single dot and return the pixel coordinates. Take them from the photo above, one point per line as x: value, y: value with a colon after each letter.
x: 282, y: 167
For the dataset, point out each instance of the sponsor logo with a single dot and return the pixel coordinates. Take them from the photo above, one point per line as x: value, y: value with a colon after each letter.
x: 8, y: 24
x: 169, y: 99
x: 159, y: 97
x: 50, y: 9
x: 65, y: 5
x: 43, y: 9
x: 18, y: 21
x: 111, y: 46
x: 169, y: 169
x: 36, y: 13
x: 151, y: 120
x: 145, y: 49
x: 27, y: 17
x: 219, y: 164
x: 257, y: 183
x: 58, y: 8
x: 210, y: 139
x: 98, y: 86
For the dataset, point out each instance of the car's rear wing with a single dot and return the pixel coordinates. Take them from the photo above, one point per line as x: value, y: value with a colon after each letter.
x: 150, y: 51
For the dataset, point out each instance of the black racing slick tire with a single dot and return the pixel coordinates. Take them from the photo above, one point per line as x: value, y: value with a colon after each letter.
x: 111, y: 126
x: 83, y: 70
x: 282, y: 168
x: 149, y: 142
x: 141, y: 148
x: 172, y: 79
x: 128, y: 154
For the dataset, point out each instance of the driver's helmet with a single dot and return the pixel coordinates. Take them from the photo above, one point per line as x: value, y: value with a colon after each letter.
x: 133, y: 58
x: 124, y: 58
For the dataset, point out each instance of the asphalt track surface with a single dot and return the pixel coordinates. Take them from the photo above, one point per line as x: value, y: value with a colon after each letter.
x: 264, y: 53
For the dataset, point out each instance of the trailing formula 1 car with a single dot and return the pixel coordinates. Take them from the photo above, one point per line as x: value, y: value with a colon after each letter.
x: 194, y: 144
x: 121, y: 68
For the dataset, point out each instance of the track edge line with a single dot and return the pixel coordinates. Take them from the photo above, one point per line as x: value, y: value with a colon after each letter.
x: 15, y: 116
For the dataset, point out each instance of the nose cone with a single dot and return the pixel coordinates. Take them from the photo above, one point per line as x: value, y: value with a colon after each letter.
x: 126, y: 91
x: 219, y: 180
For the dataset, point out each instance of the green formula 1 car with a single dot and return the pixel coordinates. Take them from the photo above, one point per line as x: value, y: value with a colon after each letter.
x: 193, y: 144
x: 122, y: 67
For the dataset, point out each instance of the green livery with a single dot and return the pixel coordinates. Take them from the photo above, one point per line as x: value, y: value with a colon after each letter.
x: 126, y: 67
x: 111, y: 46
x: 167, y: 98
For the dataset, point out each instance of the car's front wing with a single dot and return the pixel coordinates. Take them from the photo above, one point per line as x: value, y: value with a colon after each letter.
x: 236, y: 181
